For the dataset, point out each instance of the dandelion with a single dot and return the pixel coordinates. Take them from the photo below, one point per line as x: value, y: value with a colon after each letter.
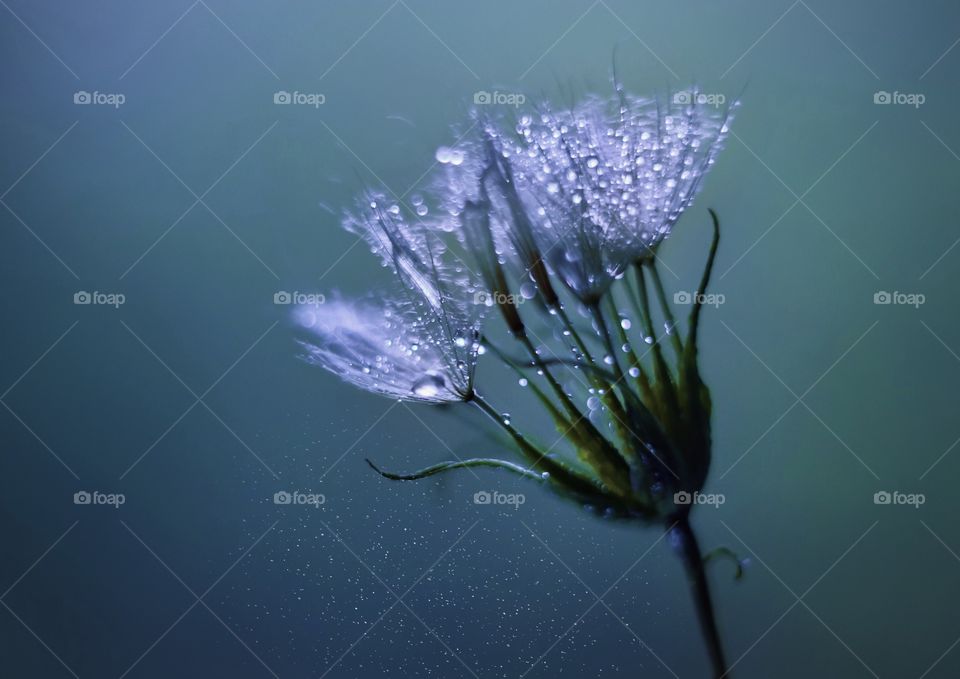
x: 605, y: 181
x: 420, y: 342
x: 557, y: 207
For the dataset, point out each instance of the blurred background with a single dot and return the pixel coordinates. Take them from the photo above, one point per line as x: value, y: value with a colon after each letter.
x: 148, y: 170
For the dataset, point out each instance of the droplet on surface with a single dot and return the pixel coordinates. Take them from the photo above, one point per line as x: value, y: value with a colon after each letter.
x: 428, y: 386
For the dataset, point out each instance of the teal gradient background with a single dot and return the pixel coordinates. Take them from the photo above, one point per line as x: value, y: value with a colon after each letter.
x: 199, y: 198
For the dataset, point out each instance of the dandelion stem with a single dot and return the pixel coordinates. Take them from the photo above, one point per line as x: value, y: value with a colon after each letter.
x: 562, y: 314
x: 572, y: 409
x: 594, y: 373
x: 499, y: 419
x: 637, y: 307
x: 625, y: 340
x: 666, y: 309
x: 689, y: 551
x: 607, y: 339
x: 662, y: 372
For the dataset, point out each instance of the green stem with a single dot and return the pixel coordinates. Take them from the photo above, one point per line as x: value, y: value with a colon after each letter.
x: 689, y: 551
x: 571, y: 328
x: 666, y: 309
x: 571, y: 409
x: 490, y: 411
x: 624, y: 339
x: 661, y: 371
x: 607, y: 339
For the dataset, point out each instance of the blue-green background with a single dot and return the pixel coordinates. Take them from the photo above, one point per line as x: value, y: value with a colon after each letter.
x: 396, y: 78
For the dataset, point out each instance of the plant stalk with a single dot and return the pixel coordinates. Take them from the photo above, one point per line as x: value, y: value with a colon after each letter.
x: 685, y: 542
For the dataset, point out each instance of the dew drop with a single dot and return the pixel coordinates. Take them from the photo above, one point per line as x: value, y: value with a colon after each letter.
x: 428, y: 386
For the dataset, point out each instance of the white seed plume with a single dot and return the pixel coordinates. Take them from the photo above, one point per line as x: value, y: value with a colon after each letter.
x: 606, y: 181
x: 418, y: 341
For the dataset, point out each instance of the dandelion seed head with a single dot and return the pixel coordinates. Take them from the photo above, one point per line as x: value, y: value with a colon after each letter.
x: 608, y: 178
x: 418, y: 339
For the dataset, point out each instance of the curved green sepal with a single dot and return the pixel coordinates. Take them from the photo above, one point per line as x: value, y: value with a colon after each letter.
x: 461, y: 464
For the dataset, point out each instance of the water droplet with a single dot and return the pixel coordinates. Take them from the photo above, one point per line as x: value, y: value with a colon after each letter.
x: 523, y: 382
x: 428, y: 386
x: 634, y: 371
x: 625, y: 323
x: 608, y: 359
